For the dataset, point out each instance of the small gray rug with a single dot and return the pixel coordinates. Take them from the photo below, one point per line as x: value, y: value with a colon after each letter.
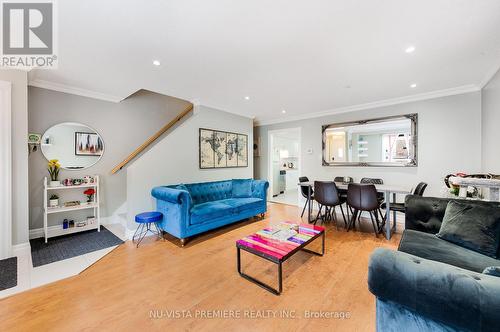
x: 72, y: 245
x: 8, y: 273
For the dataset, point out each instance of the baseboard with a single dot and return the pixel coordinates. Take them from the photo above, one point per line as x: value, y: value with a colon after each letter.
x: 400, y: 219
x: 114, y: 220
x: 129, y: 233
x: 38, y: 232
x: 21, y: 249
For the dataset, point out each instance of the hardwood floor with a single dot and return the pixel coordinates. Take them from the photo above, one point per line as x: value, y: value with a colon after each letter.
x: 122, y: 290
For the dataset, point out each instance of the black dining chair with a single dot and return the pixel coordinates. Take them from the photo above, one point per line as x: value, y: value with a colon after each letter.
x: 400, y: 207
x: 342, y: 178
x: 371, y: 181
x: 363, y: 197
x: 327, y: 196
x: 374, y: 181
x: 380, y: 196
x: 304, y: 192
x: 343, y: 192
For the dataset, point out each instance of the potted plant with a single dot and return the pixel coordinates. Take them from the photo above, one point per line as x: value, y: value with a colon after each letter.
x: 90, y: 193
x: 53, y: 168
x: 54, y: 200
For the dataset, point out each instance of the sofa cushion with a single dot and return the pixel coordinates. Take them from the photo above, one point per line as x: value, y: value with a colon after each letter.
x: 242, y: 188
x: 424, y: 214
x: 429, y: 246
x: 492, y: 271
x: 470, y: 226
x: 210, y: 191
x: 204, y: 212
x: 242, y: 204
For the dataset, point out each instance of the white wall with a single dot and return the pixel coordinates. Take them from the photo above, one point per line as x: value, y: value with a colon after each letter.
x: 19, y: 100
x: 122, y: 126
x: 175, y: 159
x: 491, y: 126
x: 449, y: 140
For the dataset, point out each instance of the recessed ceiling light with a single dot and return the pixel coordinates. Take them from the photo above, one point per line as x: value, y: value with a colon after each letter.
x: 283, y: 111
x: 247, y: 98
x: 414, y: 85
x: 410, y: 49
x: 156, y: 62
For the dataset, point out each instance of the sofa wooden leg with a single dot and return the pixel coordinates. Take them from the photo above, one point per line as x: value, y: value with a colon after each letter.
x: 183, y: 242
x: 262, y: 215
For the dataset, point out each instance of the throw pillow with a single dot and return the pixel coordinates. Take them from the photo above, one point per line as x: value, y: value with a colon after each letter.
x: 474, y: 227
x: 183, y: 187
x: 242, y: 188
x: 492, y: 271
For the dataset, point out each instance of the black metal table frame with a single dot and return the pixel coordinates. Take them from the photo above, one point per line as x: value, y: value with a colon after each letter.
x: 277, y: 261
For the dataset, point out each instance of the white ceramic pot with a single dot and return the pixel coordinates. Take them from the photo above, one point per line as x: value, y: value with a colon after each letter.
x: 53, y: 202
x: 54, y: 183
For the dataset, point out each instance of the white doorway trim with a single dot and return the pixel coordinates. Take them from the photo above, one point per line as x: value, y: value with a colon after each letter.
x: 270, y: 144
x: 5, y: 170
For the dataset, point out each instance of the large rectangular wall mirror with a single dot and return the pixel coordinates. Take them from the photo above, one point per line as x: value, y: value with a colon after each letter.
x: 388, y: 141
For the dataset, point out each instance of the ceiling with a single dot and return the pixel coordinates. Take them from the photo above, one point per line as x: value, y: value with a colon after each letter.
x: 305, y: 57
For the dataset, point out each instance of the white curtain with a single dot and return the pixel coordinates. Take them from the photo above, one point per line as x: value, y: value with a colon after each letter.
x: 5, y: 171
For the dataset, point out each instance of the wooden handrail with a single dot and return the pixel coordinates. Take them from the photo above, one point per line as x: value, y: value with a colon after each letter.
x: 153, y: 138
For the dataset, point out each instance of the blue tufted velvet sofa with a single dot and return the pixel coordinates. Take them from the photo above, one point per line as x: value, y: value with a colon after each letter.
x: 430, y: 284
x: 191, y: 209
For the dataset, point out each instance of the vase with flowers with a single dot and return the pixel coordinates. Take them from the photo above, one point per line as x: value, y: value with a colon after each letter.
x: 90, y: 194
x: 53, y: 167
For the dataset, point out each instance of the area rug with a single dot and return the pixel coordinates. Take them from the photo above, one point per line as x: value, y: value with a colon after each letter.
x: 72, y: 245
x: 8, y: 273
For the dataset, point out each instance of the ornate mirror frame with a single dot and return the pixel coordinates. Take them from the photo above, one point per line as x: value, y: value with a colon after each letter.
x: 414, y: 142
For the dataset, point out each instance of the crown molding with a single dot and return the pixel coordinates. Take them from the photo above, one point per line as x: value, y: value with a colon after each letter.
x: 73, y: 90
x: 381, y: 103
x: 489, y: 76
x: 251, y: 117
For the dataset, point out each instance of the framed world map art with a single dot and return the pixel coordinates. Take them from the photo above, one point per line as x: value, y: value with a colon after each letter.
x: 221, y: 149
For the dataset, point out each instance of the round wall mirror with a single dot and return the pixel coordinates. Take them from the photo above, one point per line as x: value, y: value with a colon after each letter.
x: 75, y: 145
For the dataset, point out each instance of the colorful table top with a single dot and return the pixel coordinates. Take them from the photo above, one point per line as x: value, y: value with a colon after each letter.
x: 265, y: 244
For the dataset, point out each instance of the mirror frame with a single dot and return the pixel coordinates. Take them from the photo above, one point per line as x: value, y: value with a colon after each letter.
x: 82, y: 124
x: 414, y: 134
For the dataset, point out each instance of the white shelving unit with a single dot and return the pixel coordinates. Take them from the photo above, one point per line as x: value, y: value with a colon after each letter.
x: 57, y: 230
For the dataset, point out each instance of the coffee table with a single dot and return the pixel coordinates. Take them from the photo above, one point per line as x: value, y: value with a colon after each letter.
x: 262, y: 244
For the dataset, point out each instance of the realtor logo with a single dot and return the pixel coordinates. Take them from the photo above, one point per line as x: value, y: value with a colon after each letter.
x: 28, y: 34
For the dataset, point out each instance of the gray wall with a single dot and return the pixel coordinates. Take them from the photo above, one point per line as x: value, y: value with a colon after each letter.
x: 449, y: 141
x: 19, y: 106
x: 491, y: 123
x: 175, y: 159
x: 123, y: 127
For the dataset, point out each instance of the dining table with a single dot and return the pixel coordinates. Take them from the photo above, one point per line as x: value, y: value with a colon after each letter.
x: 386, y: 189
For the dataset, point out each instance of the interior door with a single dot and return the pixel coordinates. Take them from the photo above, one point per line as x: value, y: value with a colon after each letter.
x: 338, y: 146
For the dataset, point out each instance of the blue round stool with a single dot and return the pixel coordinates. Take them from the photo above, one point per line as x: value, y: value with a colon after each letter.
x: 147, y: 220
